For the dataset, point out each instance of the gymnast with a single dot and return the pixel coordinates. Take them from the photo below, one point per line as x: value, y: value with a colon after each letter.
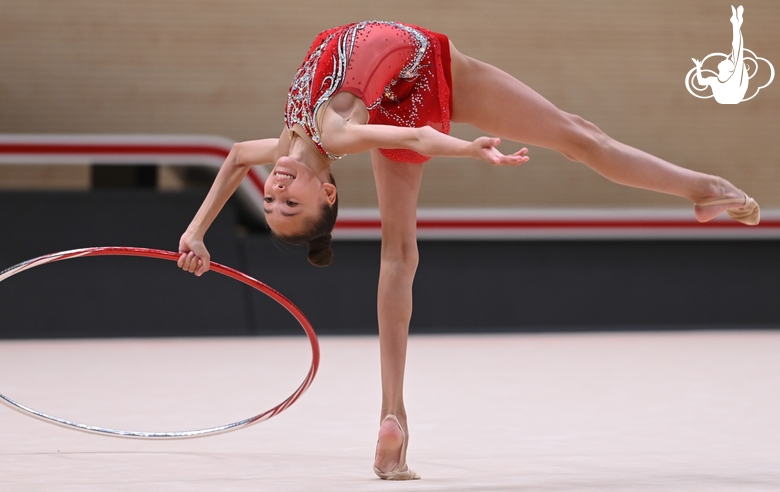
x: 392, y: 89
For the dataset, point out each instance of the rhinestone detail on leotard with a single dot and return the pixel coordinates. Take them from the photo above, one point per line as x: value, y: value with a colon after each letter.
x: 325, y: 69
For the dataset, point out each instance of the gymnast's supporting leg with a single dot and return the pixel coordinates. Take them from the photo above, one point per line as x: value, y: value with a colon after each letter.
x: 496, y: 102
x: 397, y: 188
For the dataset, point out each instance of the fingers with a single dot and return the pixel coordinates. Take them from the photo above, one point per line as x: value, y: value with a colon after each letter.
x: 486, y: 150
x: 515, y: 159
x: 203, y: 266
x: 194, y: 257
x: 190, y: 262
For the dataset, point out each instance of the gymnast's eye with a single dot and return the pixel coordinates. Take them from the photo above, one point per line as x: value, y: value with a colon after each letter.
x: 269, y: 199
x: 291, y: 203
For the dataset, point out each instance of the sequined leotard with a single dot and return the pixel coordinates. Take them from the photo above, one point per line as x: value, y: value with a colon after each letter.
x: 401, y: 73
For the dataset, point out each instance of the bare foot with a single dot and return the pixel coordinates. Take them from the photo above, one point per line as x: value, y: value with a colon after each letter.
x: 388, y: 446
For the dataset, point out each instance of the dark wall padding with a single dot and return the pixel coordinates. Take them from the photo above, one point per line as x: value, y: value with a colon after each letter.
x: 113, y: 296
x: 460, y: 286
x: 599, y: 284
x: 464, y: 286
x: 338, y: 299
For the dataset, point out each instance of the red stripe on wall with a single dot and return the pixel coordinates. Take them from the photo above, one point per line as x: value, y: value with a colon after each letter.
x: 69, y: 149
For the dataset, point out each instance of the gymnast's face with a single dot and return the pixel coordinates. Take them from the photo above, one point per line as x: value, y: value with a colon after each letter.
x: 294, y: 197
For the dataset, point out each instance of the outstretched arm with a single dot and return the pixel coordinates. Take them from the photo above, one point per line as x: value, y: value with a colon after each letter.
x: 348, y: 138
x: 195, y: 257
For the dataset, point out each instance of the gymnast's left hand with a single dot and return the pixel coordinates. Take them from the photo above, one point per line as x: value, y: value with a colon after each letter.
x: 485, y: 148
x: 194, y: 257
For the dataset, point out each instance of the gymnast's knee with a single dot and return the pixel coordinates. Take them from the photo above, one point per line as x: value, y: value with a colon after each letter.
x: 401, y: 257
x: 582, y: 139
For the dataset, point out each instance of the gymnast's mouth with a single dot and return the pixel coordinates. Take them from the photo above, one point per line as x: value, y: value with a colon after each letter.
x: 283, y: 175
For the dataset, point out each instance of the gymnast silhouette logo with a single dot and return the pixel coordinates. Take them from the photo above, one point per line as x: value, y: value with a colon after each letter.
x: 730, y: 84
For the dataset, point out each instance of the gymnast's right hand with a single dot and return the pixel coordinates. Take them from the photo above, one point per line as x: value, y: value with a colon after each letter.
x: 194, y: 257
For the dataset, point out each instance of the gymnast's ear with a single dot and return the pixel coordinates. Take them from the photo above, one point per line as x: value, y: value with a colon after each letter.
x: 330, y: 193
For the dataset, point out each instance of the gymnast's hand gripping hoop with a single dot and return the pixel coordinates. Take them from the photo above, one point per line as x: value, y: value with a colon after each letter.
x: 168, y: 255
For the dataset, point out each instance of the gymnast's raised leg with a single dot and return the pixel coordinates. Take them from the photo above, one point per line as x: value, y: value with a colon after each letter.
x: 497, y: 103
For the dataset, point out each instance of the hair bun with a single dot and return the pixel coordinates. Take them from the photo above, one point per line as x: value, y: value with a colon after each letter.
x: 320, y: 252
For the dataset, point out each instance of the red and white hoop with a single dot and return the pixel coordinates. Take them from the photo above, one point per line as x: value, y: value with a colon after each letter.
x: 169, y: 255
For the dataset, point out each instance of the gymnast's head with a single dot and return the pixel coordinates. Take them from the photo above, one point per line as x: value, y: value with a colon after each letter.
x: 301, y: 207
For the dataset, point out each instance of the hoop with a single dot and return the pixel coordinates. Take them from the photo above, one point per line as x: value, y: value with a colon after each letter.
x: 168, y: 255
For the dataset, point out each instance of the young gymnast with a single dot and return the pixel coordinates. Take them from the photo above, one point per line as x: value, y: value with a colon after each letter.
x: 392, y: 89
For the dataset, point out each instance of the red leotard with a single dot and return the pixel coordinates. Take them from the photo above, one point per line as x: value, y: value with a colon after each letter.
x: 400, y: 72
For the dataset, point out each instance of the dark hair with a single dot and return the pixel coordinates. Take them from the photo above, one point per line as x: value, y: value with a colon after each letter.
x: 318, y: 236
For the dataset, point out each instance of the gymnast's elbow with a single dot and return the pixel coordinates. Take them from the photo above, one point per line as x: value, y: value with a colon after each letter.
x: 428, y: 141
x: 419, y: 139
x: 237, y: 158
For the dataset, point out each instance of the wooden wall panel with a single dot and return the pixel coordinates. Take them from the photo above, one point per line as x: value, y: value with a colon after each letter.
x: 199, y: 66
